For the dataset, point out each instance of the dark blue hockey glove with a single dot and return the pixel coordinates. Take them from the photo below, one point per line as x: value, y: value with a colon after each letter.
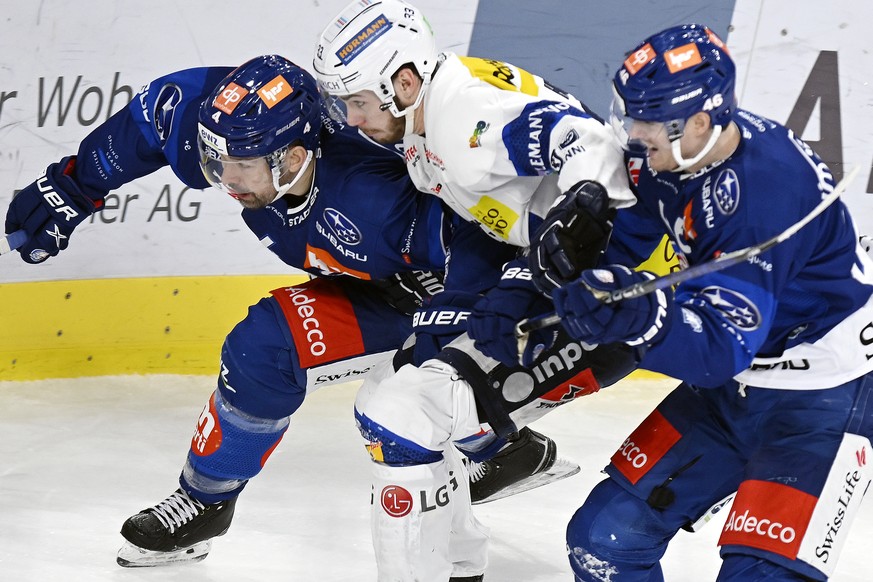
x: 572, y: 237
x: 492, y: 323
x: 442, y: 318
x: 636, y: 322
x: 408, y: 291
x: 49, y: 210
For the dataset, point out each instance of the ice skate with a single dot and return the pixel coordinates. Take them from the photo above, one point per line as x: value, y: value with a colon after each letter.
x: 478, y: 578
x: 527, y: 463
x: 178, y: 529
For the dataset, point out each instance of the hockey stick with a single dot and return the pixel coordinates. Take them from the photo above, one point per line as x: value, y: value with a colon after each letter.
x: 723, y: 261
x: 12, y: 241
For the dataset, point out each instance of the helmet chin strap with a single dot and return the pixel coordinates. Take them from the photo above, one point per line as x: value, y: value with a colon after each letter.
x: 409, y: 116
x: 685, y: 164
x: 409, y: 113
x: 277, y: 173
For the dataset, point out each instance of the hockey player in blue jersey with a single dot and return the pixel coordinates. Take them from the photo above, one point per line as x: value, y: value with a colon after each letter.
x: 775, y: 353
x: 323, y: 199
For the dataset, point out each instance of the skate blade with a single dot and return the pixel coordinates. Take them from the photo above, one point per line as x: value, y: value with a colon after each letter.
x: 131, y: 556
x: 562, y: 469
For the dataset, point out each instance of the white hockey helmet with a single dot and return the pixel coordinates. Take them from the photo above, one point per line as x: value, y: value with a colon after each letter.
x: 367, y: 43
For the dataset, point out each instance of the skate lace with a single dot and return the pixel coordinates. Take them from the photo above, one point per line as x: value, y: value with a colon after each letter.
x: 477, y: 471
x: 177, y: 510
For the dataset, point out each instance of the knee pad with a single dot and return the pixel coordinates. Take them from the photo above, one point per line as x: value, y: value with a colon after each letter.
x: 260, y: 372
x: 229, y: 448
x: 618, y: 534
x: 388, y: 448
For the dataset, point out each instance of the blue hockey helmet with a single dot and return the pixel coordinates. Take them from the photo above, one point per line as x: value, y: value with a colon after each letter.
x: 258, y: 111
x: 672, y: 75
x: 676, y: 73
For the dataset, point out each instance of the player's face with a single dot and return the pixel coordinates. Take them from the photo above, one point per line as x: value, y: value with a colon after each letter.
x: 249, y: 180
x: 364, y: 111
x: 653, y: 135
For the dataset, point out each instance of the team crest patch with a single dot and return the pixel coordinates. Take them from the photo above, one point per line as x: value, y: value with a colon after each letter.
x: 727, y: 192
x: 737, y: 308
x: 344, y: 229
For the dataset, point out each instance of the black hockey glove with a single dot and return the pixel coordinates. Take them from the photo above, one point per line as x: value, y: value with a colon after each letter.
x: 408, y: 291
x: 572, y: 237
x: 48, y: 210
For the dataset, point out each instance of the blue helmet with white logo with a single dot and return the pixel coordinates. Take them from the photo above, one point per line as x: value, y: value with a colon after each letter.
x: 676, y: 73
x: 259, y: 110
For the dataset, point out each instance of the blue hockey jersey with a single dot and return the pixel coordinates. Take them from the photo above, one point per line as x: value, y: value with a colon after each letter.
x: 798, y: 316
x: 363, y: 217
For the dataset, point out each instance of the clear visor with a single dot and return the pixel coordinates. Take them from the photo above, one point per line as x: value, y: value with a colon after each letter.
x: 633, y: 134
x: 364, y: 105
x: 335, y: 107
x: 260, y: 176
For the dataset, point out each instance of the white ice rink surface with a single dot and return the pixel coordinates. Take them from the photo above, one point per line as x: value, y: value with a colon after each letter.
x: 80, y: 456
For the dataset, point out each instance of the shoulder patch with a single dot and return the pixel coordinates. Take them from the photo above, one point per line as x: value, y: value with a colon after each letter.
x: 168, y: 98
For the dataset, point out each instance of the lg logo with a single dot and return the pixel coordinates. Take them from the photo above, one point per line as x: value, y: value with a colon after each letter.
x: 396, y: 501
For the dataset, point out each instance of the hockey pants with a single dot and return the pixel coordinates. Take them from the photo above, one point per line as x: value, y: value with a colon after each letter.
x: 795, y: 458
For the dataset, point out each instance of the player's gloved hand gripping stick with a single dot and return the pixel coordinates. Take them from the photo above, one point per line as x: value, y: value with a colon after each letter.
x: 723, y: 261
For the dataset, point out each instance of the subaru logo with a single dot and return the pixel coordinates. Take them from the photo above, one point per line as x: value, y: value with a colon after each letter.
x: 344, y: 229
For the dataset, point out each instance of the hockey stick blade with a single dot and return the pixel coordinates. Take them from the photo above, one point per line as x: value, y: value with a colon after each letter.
x: 12, y: 241
x: 722, y: 261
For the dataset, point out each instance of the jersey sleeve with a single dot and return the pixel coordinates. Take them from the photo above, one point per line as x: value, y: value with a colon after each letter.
x: 635, y: 236
x: 519, y: 125
x: 733, y: 309
x: 475, y: 260
x: 157, y: 128
x: 554, y: 136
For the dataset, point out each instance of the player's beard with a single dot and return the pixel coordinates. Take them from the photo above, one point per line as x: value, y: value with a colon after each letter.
x: 392, y: 132
x: 254, y: 200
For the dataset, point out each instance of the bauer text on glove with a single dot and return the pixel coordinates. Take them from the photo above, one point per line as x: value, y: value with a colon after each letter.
x: 48, y: 210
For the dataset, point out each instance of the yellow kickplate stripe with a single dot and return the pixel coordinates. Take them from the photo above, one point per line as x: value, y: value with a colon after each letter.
x: 164, y: 325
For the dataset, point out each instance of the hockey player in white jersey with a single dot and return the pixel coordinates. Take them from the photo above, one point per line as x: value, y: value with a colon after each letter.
x: 497, y: 143
x: 501, y: 147
x: 775, y: 353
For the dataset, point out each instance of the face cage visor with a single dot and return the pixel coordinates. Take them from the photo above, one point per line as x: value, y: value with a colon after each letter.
x: 235, y: 175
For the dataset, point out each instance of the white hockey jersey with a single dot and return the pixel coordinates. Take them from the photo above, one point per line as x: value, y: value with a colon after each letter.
x: 501, y: 145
